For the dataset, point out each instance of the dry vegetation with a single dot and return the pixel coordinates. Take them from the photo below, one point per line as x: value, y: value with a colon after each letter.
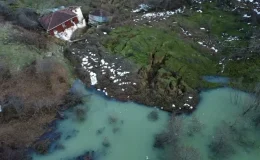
x: 30, y: 100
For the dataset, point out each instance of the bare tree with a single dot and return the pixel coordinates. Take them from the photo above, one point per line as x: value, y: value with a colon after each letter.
x: 221, y: 146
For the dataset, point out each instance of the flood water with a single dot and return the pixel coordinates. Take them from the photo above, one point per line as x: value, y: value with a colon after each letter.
x: 129, y: 135
x: 216, y: 79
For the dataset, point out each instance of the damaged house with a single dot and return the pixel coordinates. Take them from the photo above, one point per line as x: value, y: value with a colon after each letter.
x: 64, y: 22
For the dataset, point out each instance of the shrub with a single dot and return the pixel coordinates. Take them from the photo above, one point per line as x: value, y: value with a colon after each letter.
x: 112, y: 119
x: 4, y: 72
x: 153, y: 116
x: 42, y: 147
x: 221, y: 146
x: 195, y: 126
x: 106, y: 142
x: 29, y: 38
x: 4, y: 10
x: 12, y: 107
x: 12, y: 152
x: 80, y: 113
x: 161, y: 140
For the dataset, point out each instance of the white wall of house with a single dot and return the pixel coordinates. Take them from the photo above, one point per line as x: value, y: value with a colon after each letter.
x: 67, y: 34
x: 82, y: 21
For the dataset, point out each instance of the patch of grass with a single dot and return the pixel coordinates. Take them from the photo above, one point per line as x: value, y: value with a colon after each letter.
x: 17, y: 56
x: 179, y: 57
x: 247, y: 70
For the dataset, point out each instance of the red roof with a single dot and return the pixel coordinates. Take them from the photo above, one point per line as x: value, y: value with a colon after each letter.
x: 54, y: 19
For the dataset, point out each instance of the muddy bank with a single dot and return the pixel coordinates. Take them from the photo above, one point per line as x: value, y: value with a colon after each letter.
x: 120, y: 78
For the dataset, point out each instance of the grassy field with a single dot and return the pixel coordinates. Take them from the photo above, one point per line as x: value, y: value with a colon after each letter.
x: 179, y: 56
x: 17, y: 54
x: 183, y: 53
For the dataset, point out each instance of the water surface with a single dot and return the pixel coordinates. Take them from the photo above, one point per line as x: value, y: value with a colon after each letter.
x: 131, y: 137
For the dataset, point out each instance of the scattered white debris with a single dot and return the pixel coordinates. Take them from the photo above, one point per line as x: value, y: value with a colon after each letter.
x: 186, y: 32
x: 186, y: 104
x: 105, y: 33
x: 162, y: 14
x: 200, y: 11
x: 202, y: 28
x: 190, y: 97
x: 191, y: 107
x: 246, y: 16
x: 93, y: 78
x: 257, y: 12
x: 221, y: 62
x: 213, y: 48
x: 232, y: 38
x: 173, y: 105
x: 142, y: 7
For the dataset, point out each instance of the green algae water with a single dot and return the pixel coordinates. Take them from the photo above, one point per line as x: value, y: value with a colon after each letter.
x: 130, y: 135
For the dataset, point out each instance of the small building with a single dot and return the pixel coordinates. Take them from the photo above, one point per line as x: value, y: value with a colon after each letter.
x: 63, y: 22
x: 98, y: 16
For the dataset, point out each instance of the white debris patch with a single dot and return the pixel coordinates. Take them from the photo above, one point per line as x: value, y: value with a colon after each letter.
x: 232, y: 38
x: 142, y: 7
x: 186, y: 32
x: 221, y: 62
x: 162, y: 14
x: 256, y: 11
x: 97, y: 66
x: 204, y: 45
x: 93, y: 78
x: 246, y: 16
x: 214, y: 49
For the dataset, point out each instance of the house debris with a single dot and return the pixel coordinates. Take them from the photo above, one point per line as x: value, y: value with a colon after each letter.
x: 62, y: 23
x: 98, y: 17
x: 142, y: 7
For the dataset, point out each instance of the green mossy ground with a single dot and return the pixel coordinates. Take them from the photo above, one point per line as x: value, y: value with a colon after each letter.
x: 181, y: 57
x: 185, y: 55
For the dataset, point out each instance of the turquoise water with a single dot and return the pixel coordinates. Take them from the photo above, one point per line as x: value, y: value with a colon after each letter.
x: 216, y: 79
x: 132, y: 140
x: 131, y: 136
x: 218, y: 105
